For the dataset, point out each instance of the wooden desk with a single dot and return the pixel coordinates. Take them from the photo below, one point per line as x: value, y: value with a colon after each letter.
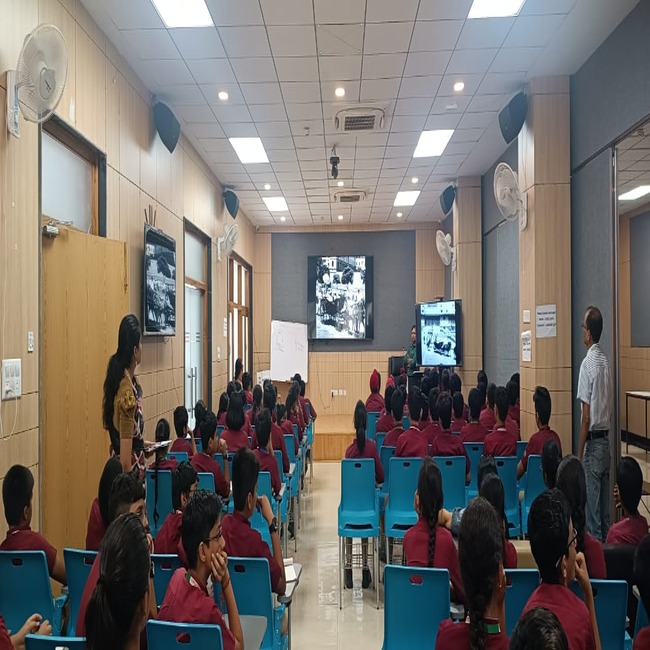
x: 253, y: 628
x: 287, y: 597
x: 643, y: 395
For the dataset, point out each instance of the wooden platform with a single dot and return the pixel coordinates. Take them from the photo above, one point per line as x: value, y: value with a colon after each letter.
x: 332, y: 436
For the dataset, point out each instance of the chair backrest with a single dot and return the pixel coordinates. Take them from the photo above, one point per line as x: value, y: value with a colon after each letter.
x: 289, y: 441
x: 416, y: 602
x: 406, y: 422
x: 24, y: 587
x: 40, y: 642
x: 534, y: 481
x: 385, y: 454
x: 199, y: 445
x: 278, y: 459
x: 161, y: 506
x: 259, y: 524
x: 357, y: 484
x: 206, y: 481
x: 507, y: 470
x: 520, y: 584
x: 619, y: 561
x: 521, y: 448
x: 264, y: 487
x: 220, y: 429
x: 179, y: 456
x: 164, y: 567
x: 248, y: 407
x: 162, y: 635
x: 641, y: 617
x: 371, y: 424
x: 452, y: 471
x: 295, y: 431
x: 474, y: 451
x: 379, y: 438
x: 403, y: 482
x: 78, y: 564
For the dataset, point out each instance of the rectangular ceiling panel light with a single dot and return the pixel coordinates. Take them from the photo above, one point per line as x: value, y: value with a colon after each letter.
x: 432, y: 143
x: 276, y: 203
x: 188, y: 13
x: 406, y: 198
x: 635, y: 194
x: 495, y: 8
x: 249, y: 150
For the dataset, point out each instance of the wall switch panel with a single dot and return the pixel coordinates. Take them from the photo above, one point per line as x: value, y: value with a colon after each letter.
x: 11, y: 379
x: 30, y: 341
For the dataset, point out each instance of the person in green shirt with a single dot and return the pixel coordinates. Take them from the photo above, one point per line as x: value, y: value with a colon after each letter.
x: 410, y: 358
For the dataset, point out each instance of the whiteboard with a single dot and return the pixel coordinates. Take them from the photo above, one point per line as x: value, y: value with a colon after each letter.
x: 289, y: 350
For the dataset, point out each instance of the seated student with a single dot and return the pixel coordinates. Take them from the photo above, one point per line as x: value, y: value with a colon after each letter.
x: 428, y: 544
x: 539, y: 629
x: 425, y: 387
x: 397, y: 409
x: 185, y: 482
x: 264, y: 452
x: 200, y: 411
x: 375, y: 401
x: 491, y: 489
x: 293, y: 408
x: 458, y: 420
x: 223, y: 408
x: 98, y: 518
x: 305, y: 401
x: 413, y: 443
x: 571, y: 482
x: 444, y: 381
x: 162, y: 435
x: 184, y: 438
x: 246, y: 381
x: 432, y: 430
x: 513, y: 397
x: 448, y: 443
x: 482, y: 389
x: 33, y: 625
x: 488, y: 418
x: 189, y: 597
x: 17, y: 493
x: 456, y: 387
x: 551, y: 457
x: 257, y: 404
x: 277, y: 437
x: 480, y: 553
x: 118, y: 609
x: 500, y: 442
x: 281, y: 419
x: 481, y: 377
x: 474, y: 431
x: 241, y: 540
x: 542, y: 401
x: 386, y: 422
x: 641, y: 577
x: 302, y: 405
x: 234, y: 434
x: 632, y: 527
x: 552, y: 542
x: 204, y: 462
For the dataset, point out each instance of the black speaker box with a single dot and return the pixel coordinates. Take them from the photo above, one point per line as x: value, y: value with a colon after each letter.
x: 167, y: 125
x: 447, y: 199
x: 512, y: 117
x: 232, y: 202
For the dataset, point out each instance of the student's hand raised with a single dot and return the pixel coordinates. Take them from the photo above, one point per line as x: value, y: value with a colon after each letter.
x: 219, y: 567
x: 267, y: 511
x: 582, y: 575
x: 223, y: 447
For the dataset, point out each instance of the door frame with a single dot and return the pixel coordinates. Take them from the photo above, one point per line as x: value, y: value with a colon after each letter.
x: 249, y: 267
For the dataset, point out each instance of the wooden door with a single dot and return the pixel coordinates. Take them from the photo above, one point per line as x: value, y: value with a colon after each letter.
x: 84, y: 297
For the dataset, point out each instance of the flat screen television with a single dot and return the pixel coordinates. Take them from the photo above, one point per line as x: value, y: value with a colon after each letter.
x: 439, y: 328
x: 159, y: 279
x: 340, y: 297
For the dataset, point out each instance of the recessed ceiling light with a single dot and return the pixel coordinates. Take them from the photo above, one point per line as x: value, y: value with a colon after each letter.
x: 275, y: 203
x: 341, y: 183
x: 189, y: 13
x: 283, y: 219
x: 340, y: 217
x: 267, y: 186
x: 399, y: 214
x: 340, y: 92
x: 495, y: 8
x: 414, y: 180
x: 406, y: 198
x: 249, y: 150
x: 636, y: 193
x: 223, y: 96
x: 432, y: 143
x: 459, y: 86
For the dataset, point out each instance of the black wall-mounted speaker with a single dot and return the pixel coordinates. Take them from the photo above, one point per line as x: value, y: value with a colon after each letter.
x: 513, y: 116
x: 232, y: 202
x: 447, y: 199
x: 167, y: 125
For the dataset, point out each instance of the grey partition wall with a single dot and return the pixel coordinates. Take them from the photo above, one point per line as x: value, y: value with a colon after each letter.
x: 639, y: 276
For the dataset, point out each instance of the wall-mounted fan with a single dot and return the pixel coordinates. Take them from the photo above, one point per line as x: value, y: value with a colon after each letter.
x: 37, y: 84
x: 446, y: 251
x: 509, y: 198
x: 226, y: 244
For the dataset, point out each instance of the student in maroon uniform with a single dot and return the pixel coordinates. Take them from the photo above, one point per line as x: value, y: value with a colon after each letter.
x: 425, y: 387
x: 240, y: 538
x: 458, y: 420
x: 264, y: 452
x: 306, y: 401
x: 375, y: 401
x: 162, y: 435
x: 258, y: 394
x: 641, y: 577
x: 234, y: 434
x: 551, y: 457
x: 553, y: 544
x: 299, y: 385
x: 571, y: 482
x: 277, y: 438
x: 413, y: 443
x: 428, y: 544
x: 17, y: 493
x: 482, y: 389
x: 184, y: 436
x: 397, y: 408
x: 204, y: 462
x: 488, y: 418
x: 98, y: 519
x: 444, y: 381
x: 189, y: 598
x: 223, y: 408
x: 542, y: 401
x: 246, y: 381
x: 500, y: 442
x: 293, y: 414
x: 481, y: 377
x: 480, y: 552
x: 539, y: 629
x: 491, y: 489
x: 474, y: 431
x: 513, y: 397
x: 200, y: 411
x: 456, y: 388
x: 33, y: 625
x: 447, y: 443
x: 386, y: 422
x: 432, y: 430
x: 632, y: 527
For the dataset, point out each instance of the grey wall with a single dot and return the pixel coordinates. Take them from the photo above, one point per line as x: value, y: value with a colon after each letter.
x: 394, y: 282
x: 639, y: 276
x: 500, y: 281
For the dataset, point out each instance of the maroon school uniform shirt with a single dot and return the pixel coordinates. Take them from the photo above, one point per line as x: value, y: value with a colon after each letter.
x: 369, y: 451
x: 642, y: 639
x: 187, y: 601
x: 375, y: 403
x: 23, y: 538
x: 182, y: 445
x: 96, y: 527
x: 385, y: 423
x: 248, y: 394
x: 500, y: 442
x: 570, y: 610
x: 269, y: 464
x: 537, y: 442
x: 488, y: 419
x: 513, y: 412
x: 411, y: 444
x: 455, y: 636
x: 91, y: 583
x: 595, y: 558
x: 169, y: 534
x: 473, y: 432
x: 294, y: 419
x: 513, y: 428
x: 248, y: 427
x: 204, y: 463
x: 303, y: 409
x: 432, y: 431
x: 235, y: 440
x: 457, y: 425
x: 221, y: 420
x: 287, y: 429
x: 449, y: 444
x: 511, y: 555
x: 5, y: 639
x: 167, y: 463
x: 445, y: 554
x: 630, y: 530
x: 312, y: 410
x: 392, y: 437
x: 277, y: 440
x: 242, y: 540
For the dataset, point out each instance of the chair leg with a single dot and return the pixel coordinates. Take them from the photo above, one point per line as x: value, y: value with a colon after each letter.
x: 295, y: 526
x: 375, y: 553
x: 339, y: 572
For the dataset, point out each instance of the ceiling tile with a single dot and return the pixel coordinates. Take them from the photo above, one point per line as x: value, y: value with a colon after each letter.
x: 239, y: 12
x: 275, y: 130
x: 419, y: 87
x: 215, y: 144
x: 198, y: 42
x: 207, y: 131
x: 339, y: 11
x: 297, y: 69
x: 498, y: 83
x: 243, y: 42
x: 383, y: 66
x: 485, y: 33
x: 287, y: 12
x: 471, y: 82
x: 254, y: 69
x: 444, y: 121
x: 279, y: 155
x: 339, y: 68
x: 487, y: 103
x: 420, y: 64
x: 328, y: 93
x: 211, y: 71
x: 471, y: 61
x: 531, y: 31
x: 387, y: 38
x: 297, y: 112
x: 379, y: 89
x: 165, y: 73
x: 468, y: 135
x: 539, y: 7
x: 414, y: 106
x: 434, y: 35
x: 226, y: 114
x: 148, y: 44
x: 261, y: 93
x: 444, y: 9
x: 339, y: 40
x: 240, y: 130
x: 407, y: 123
x: 211, y: 92
x: 382, y: 11
x: 195, y: 113
x: 455, y: 104
x: 185, y: 95
x: 300, y: 91
x: 516, y: 59
x: 268, y: 112
x: 127, y: 15
x: 292, y: 40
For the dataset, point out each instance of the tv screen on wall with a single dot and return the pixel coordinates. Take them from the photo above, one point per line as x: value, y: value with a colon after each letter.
x: 159, y: 292
x: 439, y: 333
x: 340, y: 297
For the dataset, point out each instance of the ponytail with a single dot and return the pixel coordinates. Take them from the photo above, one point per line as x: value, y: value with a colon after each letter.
x: 433, y: 524
x: 99, y: 616
x: 477, y: 631
x: 361, y: 439
x: 360, y: 419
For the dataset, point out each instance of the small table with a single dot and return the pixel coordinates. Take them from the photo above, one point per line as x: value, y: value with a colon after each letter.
x: 288, y: 595
x: 644, y: 396
x: 253, y: 628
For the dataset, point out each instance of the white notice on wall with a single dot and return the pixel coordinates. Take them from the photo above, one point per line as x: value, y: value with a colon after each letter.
x: 526, y: 346
x: 546, y: 321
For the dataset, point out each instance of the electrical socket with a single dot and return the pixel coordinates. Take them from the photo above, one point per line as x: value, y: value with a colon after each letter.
x: 30, y: 341
x: 333, y: 392
x: 345, y: 392
x: 11, y: 378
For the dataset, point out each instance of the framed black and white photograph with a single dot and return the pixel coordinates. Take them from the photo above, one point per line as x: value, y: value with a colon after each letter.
x: 439, y: 334
x: 159, y: 293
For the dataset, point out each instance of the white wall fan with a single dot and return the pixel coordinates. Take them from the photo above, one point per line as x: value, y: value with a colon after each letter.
x: 510, y: 200
x: 226, y: 244
x: 446, y: 251
x: 36, y: 85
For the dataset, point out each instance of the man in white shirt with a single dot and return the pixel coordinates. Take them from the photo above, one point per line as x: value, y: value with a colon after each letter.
x: 595, y: 396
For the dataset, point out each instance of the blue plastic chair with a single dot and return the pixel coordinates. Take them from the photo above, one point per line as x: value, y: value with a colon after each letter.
x: 164, y: 504
x: 507, y: 470
x: 220, y: 429
x: 294, y: 484
x: 248, y: 407
x: 379, y: 439
x: 164, y: 567
x: 416, y: 602
x: 406, y: 422
x: 521, y: 448
x: 520, y: 584
x: 40, y: 642
x: 183, y: 636
x: 199, y: 445
x: 474, y: 451
x: 533, y: 486
x: 385, y: 454
x: 371, y: 424
x: 452, y: 471
x: 206, y: 481
x: 400, y: 513
x: 641, y: 617
x: 78, y: 564
x: 264, y: 487
x: 179, y: 456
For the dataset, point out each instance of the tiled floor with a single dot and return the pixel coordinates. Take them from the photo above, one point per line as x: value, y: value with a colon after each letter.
x: 317, y: 621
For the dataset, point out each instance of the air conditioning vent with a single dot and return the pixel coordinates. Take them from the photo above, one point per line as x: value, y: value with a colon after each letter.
x: 360, y: 119
x: 350, y: 196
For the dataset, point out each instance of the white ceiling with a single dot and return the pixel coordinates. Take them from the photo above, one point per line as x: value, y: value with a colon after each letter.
x: 281, y: 60
x: 633, y: 166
